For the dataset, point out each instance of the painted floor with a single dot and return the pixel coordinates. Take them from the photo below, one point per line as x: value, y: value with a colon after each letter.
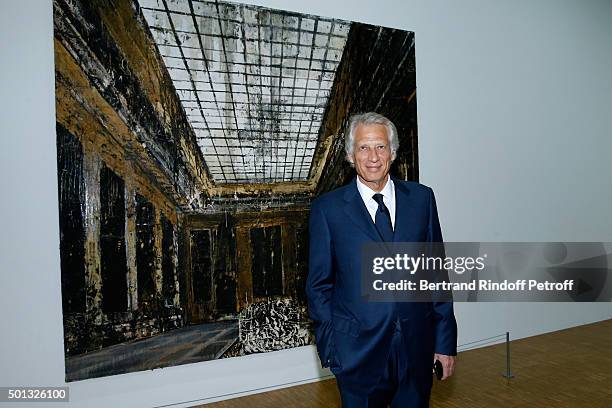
x: 186, y: 345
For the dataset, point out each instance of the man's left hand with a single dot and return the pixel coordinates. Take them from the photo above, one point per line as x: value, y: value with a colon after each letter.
x: 448, y: 364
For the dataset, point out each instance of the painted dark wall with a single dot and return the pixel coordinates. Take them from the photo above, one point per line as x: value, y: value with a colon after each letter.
x: 301, y: 262
x: 267, y: 261
x: 168, y: 255
x: 225, y: 270
x: 201, y: 265
x: 112, y: 242
x: 145, y: 255
x: 71, y: 194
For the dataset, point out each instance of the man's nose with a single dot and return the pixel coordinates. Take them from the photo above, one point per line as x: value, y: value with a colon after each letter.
x: 373, y: 155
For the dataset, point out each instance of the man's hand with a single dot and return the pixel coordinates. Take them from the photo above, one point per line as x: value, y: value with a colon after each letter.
x: 448, y: 364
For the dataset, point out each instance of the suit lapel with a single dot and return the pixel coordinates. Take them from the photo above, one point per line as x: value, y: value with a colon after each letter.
x: 403, y: 211
x: 355, y: 208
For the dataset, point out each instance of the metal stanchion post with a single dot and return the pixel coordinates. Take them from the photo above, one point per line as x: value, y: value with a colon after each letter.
x: 508, y: 373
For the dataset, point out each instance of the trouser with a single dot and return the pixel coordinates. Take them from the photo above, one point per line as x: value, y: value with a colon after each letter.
x: 395, y: 388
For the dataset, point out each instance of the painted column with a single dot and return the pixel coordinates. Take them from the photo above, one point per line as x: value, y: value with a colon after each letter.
x: 93, y: 279
x: 175, y: 264
x: 157, y: 259
x: 130, y: 240
x: 244, y: 264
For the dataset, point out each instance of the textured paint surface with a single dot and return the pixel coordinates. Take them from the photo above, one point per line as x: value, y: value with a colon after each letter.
x: 145, y: 254
x: 168, y: 262
x: 201, y: 265
x: 272, y: 325
x: 72, y: 240
x: 266, y: 264
x: 112, y: 242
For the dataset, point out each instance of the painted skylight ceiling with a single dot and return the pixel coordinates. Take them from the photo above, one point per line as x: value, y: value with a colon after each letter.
x: 254, y: 82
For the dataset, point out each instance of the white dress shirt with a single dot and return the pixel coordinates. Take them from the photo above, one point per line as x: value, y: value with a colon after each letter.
x: 367, y: 195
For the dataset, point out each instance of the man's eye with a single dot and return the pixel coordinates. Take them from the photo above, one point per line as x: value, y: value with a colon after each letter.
x: 381, y: 147
x: 362, y: 148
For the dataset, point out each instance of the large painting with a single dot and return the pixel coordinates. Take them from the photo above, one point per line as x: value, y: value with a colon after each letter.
x: 191, y: 138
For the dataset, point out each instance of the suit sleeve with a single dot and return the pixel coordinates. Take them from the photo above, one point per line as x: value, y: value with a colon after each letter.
x: 320, y: 282
x: 446, y: 326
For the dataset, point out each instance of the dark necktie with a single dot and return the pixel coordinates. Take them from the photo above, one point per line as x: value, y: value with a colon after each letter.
x: 383, y: 219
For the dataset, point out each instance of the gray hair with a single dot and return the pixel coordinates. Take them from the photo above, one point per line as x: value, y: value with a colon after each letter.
x: 370, y: 118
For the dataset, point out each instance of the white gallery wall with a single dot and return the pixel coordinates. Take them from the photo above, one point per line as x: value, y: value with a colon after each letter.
x: 515, y: 134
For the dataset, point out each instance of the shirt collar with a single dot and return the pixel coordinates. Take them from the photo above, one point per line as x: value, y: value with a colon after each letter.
x: 367, y: 193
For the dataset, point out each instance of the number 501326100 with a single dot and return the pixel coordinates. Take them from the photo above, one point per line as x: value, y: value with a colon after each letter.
x: 33, y: 394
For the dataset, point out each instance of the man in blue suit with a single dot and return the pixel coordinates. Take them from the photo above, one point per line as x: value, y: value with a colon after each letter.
x: 381, y: 353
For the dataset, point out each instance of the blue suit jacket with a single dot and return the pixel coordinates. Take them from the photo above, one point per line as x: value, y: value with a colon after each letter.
x: 353, y: 337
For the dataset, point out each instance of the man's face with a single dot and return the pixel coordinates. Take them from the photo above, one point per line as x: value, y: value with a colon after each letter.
x: 372, y: 154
